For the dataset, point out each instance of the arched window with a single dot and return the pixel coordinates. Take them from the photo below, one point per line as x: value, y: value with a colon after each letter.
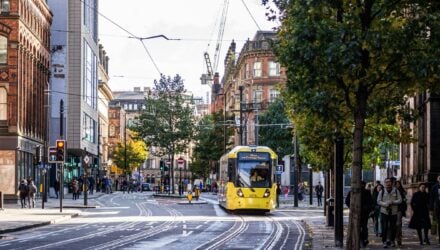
x: 3, y: 104
x: 3, y: 50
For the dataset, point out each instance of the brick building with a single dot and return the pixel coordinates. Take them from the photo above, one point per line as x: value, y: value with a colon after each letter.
x: 24, y: 78
x: 256, y: 69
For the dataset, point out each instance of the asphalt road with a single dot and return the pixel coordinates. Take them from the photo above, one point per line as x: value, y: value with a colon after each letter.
x: 139, y: 221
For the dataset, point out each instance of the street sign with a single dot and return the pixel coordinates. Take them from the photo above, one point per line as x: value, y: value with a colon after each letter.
x: 52, y: 153
x: 180, y: 163
x: 280, y: 168
x: 86, y: 159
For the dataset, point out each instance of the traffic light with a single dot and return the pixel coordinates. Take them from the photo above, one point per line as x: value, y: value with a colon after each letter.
x: 161, y: 165
x: 61, y: 148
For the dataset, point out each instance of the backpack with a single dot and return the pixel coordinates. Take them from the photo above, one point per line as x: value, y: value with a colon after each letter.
x: 23, y: 188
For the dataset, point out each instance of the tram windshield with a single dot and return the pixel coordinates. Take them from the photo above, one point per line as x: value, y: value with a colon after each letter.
x: 254, y: 174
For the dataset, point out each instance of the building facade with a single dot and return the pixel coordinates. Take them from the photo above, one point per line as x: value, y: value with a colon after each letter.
x: 105, y: 95
x: 75, y: 82
x: 257, y: 72
x: 420, y: 160
x: 24, y: 79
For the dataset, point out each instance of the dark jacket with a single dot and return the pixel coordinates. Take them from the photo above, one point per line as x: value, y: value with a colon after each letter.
x: 420, y: 207
x: 434, y: 198
x: 319, y: 189
x: 367, y: 203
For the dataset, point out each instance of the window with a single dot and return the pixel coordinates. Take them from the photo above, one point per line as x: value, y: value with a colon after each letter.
x: 3, y: 104
x: 257, y: 69
x: 258, y: 96
x: 125, y: 106
x: 90, y: 17
x: 112, y: 130
x: 5, y: 6
x: 89, y: 128
x: 246, y: 71
x: 3, y: 50
x: 274, y: 68
x: 135, y: 106
x: 90, y: 88
x: 130, y: 107
x: 273, y: 95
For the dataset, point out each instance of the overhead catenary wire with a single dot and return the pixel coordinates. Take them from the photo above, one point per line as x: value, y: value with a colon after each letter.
x: 250, y: 13
x: 125, y: 30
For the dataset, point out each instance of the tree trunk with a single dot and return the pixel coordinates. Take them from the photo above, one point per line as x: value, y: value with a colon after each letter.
x: 172, y: 172
x: 353, y: 239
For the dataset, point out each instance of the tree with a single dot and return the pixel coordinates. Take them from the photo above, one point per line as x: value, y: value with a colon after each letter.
x: 276, y: 137
x: 134, y: 155
x: 366, y: 55
x: 168, y: 120
x: 209, y: 141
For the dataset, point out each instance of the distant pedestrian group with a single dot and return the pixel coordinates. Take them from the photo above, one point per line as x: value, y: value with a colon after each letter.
x: 27, y: 192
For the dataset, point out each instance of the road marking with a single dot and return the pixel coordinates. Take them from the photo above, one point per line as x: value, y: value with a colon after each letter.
x: 199, y: 226
x: 186, y: 234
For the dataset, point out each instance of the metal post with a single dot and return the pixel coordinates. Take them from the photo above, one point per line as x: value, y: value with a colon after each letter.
x: 256, y: 128
x: 295, y: 167
x: 62, y: 164
x: 125, y: 147
x: 241, y: 114
x: 85, y: 177
x: 339, y: 210
x: 224, y: 123
x: 180, y: 182
x: 310, y: 184
x: 43, y: 185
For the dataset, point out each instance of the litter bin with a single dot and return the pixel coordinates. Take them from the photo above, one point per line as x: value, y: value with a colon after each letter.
x: 330, y: 212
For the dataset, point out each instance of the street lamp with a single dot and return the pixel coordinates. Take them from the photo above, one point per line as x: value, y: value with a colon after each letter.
x: 310, y: 183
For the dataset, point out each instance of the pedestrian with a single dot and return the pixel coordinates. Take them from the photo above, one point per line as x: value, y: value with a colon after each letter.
x: 434, y: 204
x: 56, y: 187
x: 116, y: 184
x: 401, y: 212
x: 376, y: 216
x: 366, y: 208
x: 389, y: 199
x: 124, y: 186
x: 300, y: 191
x: 319, y: 189
x: 32, y: 191
x: 286, y: 192
x: 110, y: 184
x: 91, y: 184
x: 23, y: 192
x: 420, y: 218
x: 75, y: 189
x: 278, y: 194
x: 98, y: 185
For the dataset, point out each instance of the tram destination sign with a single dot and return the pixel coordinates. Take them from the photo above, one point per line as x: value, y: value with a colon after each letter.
x: 253, y: 156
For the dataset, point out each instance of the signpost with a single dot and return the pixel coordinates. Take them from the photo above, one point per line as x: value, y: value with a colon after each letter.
x: 180, y: 165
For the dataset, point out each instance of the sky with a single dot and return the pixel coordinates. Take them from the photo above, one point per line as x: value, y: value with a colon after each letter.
x: 195, y: 22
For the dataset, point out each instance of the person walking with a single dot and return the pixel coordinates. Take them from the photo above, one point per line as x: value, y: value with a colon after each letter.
x: 401, y: 212
x: 420, y: 218
x: 32, y: 191
x: 300, y: 191
x: 56, y: 187
x: 278, y: 194
x: 91, y: 184
x: 366, y: 209
x: 388, y: 200
x: 319, y: 189
x: 75, y: 189
x: 23, y: 192
x: 434, y: 204
x: 376, y: 216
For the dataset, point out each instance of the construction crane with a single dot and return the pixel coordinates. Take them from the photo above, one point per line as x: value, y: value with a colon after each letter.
x: 208, y: 78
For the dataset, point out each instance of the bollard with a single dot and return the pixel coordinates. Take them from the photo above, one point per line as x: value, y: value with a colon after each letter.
x: 1, y: 200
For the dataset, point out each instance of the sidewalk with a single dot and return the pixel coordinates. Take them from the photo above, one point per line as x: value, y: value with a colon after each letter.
x: 323, y: 236
x: 14, y: 218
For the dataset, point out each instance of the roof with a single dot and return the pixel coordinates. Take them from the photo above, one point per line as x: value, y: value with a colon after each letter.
x: 128, y: 95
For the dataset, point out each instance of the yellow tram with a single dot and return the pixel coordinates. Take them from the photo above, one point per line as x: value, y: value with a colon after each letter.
x: 247, y: 179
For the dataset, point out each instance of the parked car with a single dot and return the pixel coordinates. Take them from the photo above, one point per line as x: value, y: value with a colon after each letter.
x: 146, y: 187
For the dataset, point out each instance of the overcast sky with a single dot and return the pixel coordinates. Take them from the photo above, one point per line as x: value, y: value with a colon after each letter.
x: 196, y: 22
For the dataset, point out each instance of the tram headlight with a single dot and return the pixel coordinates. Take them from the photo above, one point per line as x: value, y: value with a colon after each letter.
x: 240, y: 193
x: 267, y: 193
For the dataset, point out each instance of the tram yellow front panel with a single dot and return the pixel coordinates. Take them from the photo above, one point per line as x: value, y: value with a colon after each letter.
x: 250, y: 198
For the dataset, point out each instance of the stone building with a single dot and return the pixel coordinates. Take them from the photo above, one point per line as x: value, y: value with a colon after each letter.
x: 24, y: 79
x: 105, y: 95
x: 420, y: 160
